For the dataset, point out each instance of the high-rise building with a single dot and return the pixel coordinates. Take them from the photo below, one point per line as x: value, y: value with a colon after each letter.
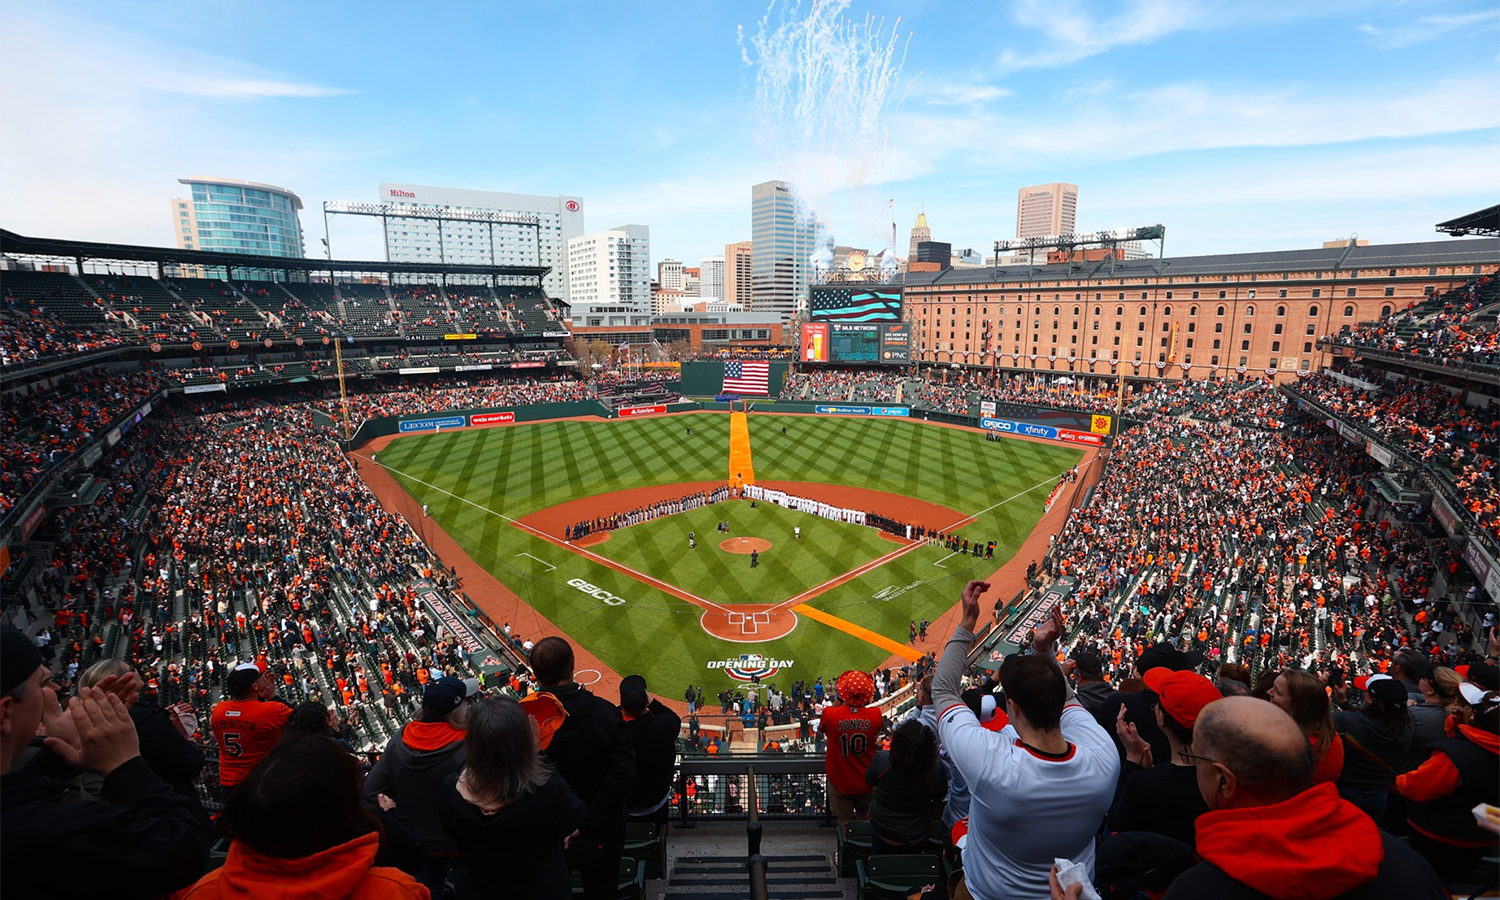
x: 711, y: 277
x: 919, y: 233
x: 784, y: 236
x: 737, y: 273
x: 1043, y: 210
x: 610, y: 276
x: 227, y: 215
x: 669, y: 274
x: 558, y: 219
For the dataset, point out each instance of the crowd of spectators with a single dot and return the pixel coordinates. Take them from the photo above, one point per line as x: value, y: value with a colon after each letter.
x: 44, y: 422
x: 1443, y: 328
x: 458, y: 393
x: 29, y: 334
x: 1429, y: 422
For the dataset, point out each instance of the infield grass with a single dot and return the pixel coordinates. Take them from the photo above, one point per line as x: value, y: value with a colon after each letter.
x: 475, y: 482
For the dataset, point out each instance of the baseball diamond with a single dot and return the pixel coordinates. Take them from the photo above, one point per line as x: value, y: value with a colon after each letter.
x: 840, y: 595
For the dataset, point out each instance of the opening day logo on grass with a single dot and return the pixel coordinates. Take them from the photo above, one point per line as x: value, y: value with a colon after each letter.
x: 750, y: 666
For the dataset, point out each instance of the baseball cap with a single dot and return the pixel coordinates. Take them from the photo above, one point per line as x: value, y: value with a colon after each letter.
x: 855, y: 688
x: 242, y: 678
x: 1164, y: 655
x: 988, y: 707
x: 1472, y: 693
x: 633, y: 696
x: 1482, y: 674
x: 1388, y: 691
x: 1089, y: 662
x: 1183, y: 694
x: 19, y: 659
x: 1363, y: 682
x: 446, y: 694
x: 548, y: 712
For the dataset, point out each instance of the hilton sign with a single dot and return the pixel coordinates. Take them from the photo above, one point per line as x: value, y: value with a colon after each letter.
x: 399, y: 193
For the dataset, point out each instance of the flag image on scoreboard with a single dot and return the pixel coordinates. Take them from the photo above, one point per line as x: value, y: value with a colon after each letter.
x: 747, y: 377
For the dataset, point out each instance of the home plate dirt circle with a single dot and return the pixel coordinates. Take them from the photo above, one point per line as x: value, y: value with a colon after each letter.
x: 749, y: 623
x: 745, y: 545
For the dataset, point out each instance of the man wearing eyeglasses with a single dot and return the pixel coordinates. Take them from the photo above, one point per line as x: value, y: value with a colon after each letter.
x: 1270, y: 834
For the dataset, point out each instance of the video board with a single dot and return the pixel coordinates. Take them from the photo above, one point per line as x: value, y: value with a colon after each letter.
x: 846, y: 303
x: 854, y: 344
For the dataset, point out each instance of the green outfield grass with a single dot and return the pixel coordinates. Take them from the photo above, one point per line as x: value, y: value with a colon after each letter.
x: 827, y: 549
x: 475, y: 481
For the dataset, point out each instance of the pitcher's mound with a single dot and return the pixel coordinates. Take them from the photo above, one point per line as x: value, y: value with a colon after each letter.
x: 745, y: 545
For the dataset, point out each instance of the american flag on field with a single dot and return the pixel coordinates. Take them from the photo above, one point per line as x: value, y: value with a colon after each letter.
x: 747, y: 377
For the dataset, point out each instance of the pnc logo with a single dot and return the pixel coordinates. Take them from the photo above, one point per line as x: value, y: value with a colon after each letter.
x: 399, y: 193
x: 597, y: 593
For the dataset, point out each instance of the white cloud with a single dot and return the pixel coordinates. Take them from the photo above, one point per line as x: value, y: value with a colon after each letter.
x: 955, y: 93
x: 1425, y: 28
x: 1192, y: 116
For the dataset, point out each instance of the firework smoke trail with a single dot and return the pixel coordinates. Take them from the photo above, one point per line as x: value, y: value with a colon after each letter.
x: 823, y: 86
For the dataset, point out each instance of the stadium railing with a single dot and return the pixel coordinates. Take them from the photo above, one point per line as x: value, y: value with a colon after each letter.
x: 780, y: 787
x: 1487, y: 372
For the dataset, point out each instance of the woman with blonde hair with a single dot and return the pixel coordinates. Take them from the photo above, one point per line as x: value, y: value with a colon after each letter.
x: 1305, y: 699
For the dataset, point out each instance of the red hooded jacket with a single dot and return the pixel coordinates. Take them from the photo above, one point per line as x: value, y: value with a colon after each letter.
x: 345, y: 872
x: 1315, y: 846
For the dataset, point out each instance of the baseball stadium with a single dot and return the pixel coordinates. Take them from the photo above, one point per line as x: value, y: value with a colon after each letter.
x: 254, y: 497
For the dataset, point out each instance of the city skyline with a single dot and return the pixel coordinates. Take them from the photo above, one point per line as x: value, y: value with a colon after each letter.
x: 1161, y: 111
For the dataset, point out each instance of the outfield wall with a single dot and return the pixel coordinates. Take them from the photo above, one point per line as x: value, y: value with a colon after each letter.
x: 1030, y: 421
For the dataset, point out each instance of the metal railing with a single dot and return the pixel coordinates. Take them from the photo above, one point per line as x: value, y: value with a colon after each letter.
x: 774, y: 787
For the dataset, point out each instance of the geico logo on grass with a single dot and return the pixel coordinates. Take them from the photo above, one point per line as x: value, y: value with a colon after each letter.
x: 597, y: 593
x: 892, y: 592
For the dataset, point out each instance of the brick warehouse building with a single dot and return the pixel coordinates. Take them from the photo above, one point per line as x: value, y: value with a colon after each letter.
x: 1225, y: 317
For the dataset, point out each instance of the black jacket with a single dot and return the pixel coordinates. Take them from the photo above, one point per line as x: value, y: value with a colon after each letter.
x: 1163, y: 800
x: 594, y: 754
x: 412, y: 770
x: 654, y: 738
x: 518, y: 851
x: 142, y: 839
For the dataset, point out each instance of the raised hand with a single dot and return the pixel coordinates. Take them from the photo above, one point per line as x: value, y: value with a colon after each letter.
x: 969, y: 617
x: 107, y: 737
x: 1048, y: 632
x: 1136, y: 748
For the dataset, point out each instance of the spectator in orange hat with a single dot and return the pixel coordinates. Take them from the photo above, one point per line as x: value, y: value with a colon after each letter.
x: 1161, y: 796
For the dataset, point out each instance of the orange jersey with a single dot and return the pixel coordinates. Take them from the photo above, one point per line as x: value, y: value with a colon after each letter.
x: 851, y: 738
x: 246, y: 731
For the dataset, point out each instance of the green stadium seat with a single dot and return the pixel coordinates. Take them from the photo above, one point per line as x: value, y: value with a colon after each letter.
x: 854, y: 845
x: 630, y: 886
x: 896, y: 877
x: 644, y: 844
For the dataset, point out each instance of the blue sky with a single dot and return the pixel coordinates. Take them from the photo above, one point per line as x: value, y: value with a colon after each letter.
x: 1240, y: 125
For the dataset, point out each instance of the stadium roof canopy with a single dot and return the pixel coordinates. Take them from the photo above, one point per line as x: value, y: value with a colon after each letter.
x: 79, y: 251
x: 1485, y: 222
x: 1341, y: 258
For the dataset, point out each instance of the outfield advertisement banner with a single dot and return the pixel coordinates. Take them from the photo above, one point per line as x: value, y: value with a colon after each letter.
x: 1047, y: 432
x: 432, y: 423
x: 640, y: 410
x: 892, y: 411
x: 492, y: 418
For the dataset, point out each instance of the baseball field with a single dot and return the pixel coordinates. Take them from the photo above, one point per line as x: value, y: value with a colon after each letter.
x: 641, y: 600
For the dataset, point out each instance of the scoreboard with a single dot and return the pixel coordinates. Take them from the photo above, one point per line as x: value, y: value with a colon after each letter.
x: 856, y: 344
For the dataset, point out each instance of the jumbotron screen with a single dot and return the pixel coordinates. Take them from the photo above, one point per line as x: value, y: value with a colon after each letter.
x: 843, y: 343
x: 876, y: 304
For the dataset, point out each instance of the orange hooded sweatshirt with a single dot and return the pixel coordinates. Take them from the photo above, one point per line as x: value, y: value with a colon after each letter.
x: 345, y: 872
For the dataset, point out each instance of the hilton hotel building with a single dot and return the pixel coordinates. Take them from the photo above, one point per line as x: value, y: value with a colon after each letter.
x: 1227, y: 317
x: 479, y: 243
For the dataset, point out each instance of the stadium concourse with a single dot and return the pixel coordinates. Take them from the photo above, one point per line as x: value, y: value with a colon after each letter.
x: 1256, y: 655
